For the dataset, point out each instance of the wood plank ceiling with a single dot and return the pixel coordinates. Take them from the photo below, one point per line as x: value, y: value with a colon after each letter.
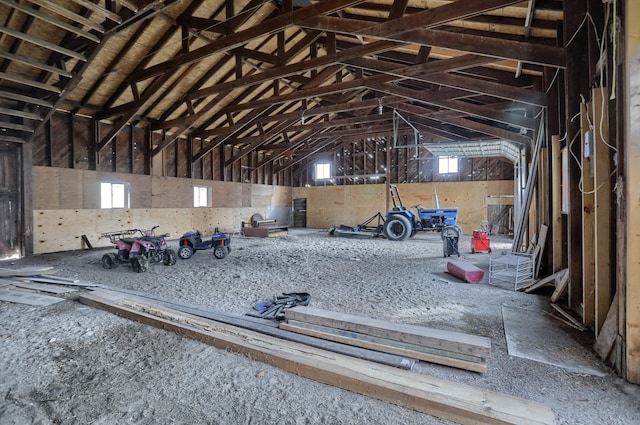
x: 287, y: 78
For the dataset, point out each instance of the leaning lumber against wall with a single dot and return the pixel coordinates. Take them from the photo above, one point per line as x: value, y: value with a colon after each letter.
x: 457, y: 402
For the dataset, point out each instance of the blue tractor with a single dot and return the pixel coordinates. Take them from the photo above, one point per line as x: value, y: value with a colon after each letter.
x: 402, y: 223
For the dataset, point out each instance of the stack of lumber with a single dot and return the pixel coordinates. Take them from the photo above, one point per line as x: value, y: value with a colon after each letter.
x: 449, y: 400
x: 464, y: 351
x: 26, y: 285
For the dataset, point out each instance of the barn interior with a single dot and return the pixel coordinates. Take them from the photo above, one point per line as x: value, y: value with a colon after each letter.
x: 296, y: 114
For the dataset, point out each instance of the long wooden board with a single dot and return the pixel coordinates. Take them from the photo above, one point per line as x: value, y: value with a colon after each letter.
x: 43, y: 287
x: 474, y: 364
x: 26, y: 271
x: 455, y: 342
x: 449, y: 400
x: 29, y: 298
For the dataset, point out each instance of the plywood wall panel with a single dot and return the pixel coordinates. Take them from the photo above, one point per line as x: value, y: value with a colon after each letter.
x: 46, y: 188
x: 71, y: 196
x: 351, y: 205
x: 54, y: 230
x: 226, y: 194
x: 170, y: 192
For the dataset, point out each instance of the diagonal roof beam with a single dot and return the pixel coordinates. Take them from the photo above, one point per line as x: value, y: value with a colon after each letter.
x: 500, y: 48
x: 268, y: 27
x: 435, y: 17
x: 287, y: 70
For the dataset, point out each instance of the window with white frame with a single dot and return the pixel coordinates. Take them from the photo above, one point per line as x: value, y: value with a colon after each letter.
x: 447, y: 164
x: 201, y: 196
x: 114, y: 195
x: 323, y: 170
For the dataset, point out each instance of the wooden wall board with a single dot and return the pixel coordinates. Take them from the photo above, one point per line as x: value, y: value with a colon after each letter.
x: 632, y: 191
x: 90, y: 189
x: 82, y: 132
x: 62, y: 230
x: 226, y: 194
x: 453, y: 401
x: 602, y: 198
x: 140, y: 151
x: 167, y: 192
x: 46, y: 188
x: 61, y: 142
x: 122, y: 145
x: 352, y: 204
x: 141, y: 190
x: 70, y: 188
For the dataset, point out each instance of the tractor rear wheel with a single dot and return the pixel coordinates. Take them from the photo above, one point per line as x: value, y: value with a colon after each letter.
x: 397, y: 228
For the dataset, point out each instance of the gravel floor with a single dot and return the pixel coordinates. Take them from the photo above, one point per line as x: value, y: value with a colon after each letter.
x: 72, y: 364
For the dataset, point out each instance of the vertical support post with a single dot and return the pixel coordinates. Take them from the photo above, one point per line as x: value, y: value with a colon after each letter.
x: 576, y: 82
x: 556, y: 202
x: 602, y: 197
x: 588, y: 220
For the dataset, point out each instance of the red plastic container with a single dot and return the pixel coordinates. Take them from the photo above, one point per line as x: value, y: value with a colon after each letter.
x: 480, y: 242
x: 465, y: 271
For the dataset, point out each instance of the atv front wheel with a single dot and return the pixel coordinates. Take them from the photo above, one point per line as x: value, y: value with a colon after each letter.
x: 186, y: 251
x: 109, y: 261
x: 169, y: 257
x: 220, y: 252
x: 140, y: 264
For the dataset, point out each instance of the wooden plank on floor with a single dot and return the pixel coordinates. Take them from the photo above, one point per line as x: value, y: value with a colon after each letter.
x: 43, y: 287
x: 26, y: 271
x: 56, y: 281
x: 270, y: 327
x: 449, y: 400
x: 29, y: 298
x: 474, y: 364
x: 456, y: 342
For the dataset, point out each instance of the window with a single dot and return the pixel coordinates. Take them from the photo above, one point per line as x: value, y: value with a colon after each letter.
x: 201, y: 196
x: 323, y: 171
x: 114, y: 195
x: 447, y: 164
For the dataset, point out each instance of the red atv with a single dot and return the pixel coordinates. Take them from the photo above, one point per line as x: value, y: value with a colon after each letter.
x: 140, y: 248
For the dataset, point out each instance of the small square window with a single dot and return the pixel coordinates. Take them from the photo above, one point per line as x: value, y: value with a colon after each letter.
x: 323, y: 171
x: 114, y: 195
x: 201, y: 196
x: 447, y: 164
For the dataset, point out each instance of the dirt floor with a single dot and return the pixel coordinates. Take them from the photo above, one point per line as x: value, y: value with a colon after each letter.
x: 68, y: 363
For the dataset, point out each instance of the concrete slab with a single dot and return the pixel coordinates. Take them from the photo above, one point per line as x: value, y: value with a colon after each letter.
x: 532, y: 335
